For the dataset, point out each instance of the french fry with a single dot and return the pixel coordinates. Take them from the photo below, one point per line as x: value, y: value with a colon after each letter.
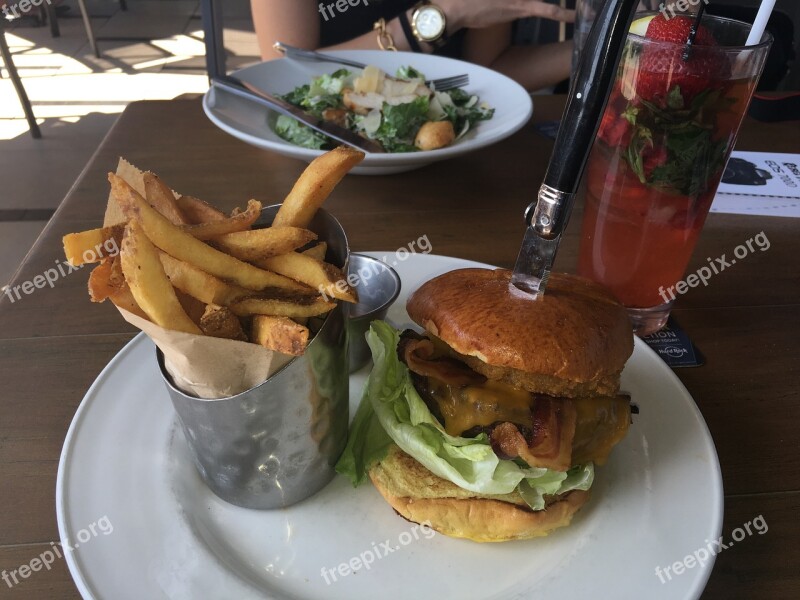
x: 117, y: 278
x: 176, y: 242
x: 315, y: 185
x: 298, y: 306
x: 321, y: 276
x: 196, y: 211
x: 198, y: 284
x: 123, y: 298
x: 239, y: 222
x: 255, y: 244
x: 106, y: 279
x: 93, y: 245
x: 192, y: 306
x: 149, y: 284
x: 279, y: 334
x: 219, y: 321
x: 100, y: 286
x: 161, y: 197
x: 319, y: 251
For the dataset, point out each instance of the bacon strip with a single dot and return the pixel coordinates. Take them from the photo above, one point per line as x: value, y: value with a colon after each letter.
x: 553, y: 431
x: 418, y: 354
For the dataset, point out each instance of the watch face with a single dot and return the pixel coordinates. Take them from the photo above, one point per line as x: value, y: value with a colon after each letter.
x: 430, y: 23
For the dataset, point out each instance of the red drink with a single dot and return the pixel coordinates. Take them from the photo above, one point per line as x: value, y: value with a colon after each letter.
x: 637, y: 238
x: 660, y: 153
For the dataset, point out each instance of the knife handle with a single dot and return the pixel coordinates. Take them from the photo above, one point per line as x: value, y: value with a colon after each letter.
x: 587, y: 100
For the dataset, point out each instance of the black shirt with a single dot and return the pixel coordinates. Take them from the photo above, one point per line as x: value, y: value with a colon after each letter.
x: 343, y: 20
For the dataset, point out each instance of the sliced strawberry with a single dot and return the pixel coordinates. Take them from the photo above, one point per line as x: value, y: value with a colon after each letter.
x: 661, y: 69
x: 662, y: 66
x: 676, y: 30
x: 615, y: 130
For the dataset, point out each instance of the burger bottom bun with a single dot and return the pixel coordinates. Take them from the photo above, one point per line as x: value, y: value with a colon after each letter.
x: 475, y: 517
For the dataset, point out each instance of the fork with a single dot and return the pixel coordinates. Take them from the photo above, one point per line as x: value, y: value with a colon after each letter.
x: 441, y: 84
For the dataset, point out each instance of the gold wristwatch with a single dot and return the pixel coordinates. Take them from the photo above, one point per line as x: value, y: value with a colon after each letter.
x: 429, y: 24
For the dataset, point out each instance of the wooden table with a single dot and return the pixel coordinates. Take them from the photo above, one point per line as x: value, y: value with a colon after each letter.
x: 54, y: 342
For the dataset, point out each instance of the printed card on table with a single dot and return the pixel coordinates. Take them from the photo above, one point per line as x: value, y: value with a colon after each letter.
x: 760, y: 183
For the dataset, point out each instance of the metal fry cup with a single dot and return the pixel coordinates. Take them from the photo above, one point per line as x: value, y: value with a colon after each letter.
x: 277, y: 443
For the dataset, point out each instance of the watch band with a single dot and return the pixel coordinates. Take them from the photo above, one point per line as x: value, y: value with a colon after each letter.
x: 413, y: 42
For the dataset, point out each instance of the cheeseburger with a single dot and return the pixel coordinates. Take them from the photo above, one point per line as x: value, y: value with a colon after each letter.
x: 488, y: 426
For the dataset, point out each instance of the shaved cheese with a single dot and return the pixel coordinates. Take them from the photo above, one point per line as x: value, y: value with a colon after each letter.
x: 371, y: 80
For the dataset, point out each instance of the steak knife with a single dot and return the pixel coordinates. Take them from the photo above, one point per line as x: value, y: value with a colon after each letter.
x: 244, y: 89
x: 547, y: 217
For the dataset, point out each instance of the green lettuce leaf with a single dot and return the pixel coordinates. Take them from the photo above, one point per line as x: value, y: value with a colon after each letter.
x: 464, y: 110
x: 297, y: 96
x: 295, y: 132
x: 324, y: 92
x: 328, y: 85
x: 409, y: 72
x: 367, y: 443
x: 392, y: 410
x: 400, y: 124
x: 534, y: 489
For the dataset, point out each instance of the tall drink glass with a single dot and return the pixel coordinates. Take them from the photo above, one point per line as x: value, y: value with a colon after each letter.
x: 654, y: 168
x: 585, y: 13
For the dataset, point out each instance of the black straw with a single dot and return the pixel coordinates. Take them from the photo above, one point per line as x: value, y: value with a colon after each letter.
x: 693, y: 31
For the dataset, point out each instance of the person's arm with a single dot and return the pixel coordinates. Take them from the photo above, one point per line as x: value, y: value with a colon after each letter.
x: 296, y: 22
x: 536, y: 67
x: 484, y: 46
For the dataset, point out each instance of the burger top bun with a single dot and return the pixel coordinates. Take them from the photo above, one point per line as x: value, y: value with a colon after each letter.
x: 572, y: 341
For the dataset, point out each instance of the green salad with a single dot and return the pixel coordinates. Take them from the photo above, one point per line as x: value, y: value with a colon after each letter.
x: 401, y: 112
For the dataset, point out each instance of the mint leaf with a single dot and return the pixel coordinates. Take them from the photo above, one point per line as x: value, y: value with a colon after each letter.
x: 630, y: 114
x: 693, y: 158
x: 675, y: 98
x: 642, y: 138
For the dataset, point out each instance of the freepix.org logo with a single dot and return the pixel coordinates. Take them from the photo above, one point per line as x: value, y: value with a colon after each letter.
x: 340, y: 6
x: 681, y: 5
x: 22, y: 7
x: 715, y: 267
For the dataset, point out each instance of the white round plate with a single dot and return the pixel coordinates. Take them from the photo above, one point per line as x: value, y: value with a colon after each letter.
x: 125, y: 459
x: 251, y: 122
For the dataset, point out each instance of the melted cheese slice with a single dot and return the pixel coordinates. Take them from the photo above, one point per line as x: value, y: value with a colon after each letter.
x: 480, y: 405
x: 601, y: 422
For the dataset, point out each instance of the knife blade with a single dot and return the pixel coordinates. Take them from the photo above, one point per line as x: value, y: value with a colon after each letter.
x: 243, y: 89
x: 547, y: 217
